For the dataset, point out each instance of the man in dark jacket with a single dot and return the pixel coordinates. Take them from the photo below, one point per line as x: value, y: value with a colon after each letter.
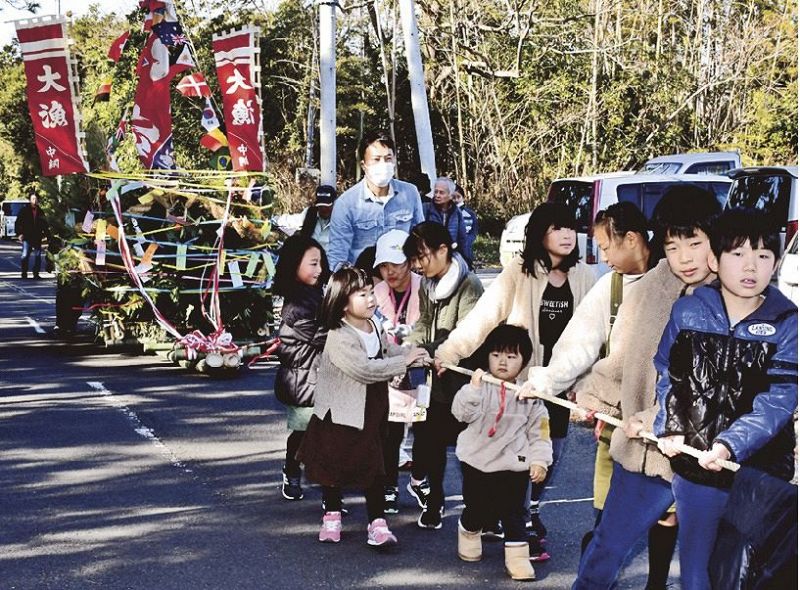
x: 444, y: 211
x: 470, y: 221
x: 31, y: 228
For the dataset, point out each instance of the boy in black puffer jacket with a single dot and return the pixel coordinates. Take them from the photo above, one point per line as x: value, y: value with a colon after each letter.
x: 727, y: 382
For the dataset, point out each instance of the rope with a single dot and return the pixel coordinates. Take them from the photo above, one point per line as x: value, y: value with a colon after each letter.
x: 648, y: 436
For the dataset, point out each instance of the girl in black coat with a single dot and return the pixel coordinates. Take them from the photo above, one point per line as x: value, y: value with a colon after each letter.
x: 301, y: 271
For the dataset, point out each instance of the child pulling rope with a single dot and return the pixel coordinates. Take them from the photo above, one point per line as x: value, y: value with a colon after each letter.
x: 649, y: 436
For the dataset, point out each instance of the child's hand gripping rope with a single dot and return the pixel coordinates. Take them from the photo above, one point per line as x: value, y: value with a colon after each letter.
x: 715, y: 459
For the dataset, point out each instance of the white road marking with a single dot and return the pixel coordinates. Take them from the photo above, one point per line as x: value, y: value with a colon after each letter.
x: 35, y: 325
x: 27, y: 293
x: 138, y: 427
x: 460, y: 498
x: 566, y: 501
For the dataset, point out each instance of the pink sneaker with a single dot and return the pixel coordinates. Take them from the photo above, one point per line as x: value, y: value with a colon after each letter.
x: 379, y: 535
x: 331, y: 531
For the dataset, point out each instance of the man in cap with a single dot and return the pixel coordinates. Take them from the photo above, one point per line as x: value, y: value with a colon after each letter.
x: 317, y: 221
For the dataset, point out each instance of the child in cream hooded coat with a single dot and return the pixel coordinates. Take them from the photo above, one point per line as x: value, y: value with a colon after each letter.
x: 506, y: 443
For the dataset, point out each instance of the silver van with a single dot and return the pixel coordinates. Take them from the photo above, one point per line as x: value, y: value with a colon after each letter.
x: 696, y: 163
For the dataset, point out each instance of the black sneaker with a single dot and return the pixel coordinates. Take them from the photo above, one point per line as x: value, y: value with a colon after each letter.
x: 494, y: 532
x: 344, y: 511
x: 291, y: 489
x: 420, y: 492
x: 390, y: 500
x: 535, y: 526
x: 430, y: 518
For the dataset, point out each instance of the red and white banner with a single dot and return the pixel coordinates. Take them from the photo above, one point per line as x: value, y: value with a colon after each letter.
x: 151, y: 119
x: 53, y: 98
x: 237, y: 59
x: 194, y: 85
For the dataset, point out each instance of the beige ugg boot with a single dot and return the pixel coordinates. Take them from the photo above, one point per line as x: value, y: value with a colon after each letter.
x: 518, y: 562
x: 469, y: 544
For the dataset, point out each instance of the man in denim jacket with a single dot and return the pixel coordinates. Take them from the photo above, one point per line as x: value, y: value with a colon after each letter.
x: 373, y: 206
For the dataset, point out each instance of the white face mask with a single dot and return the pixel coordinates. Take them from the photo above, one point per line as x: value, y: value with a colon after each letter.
x: 380, y: 174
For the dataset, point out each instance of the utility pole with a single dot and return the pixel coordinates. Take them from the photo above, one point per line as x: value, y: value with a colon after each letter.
x: 419, y: 98
x: 327, y: 91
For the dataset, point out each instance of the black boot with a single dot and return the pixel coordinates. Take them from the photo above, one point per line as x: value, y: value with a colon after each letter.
x: 24, y: 263
x: 660, y: 547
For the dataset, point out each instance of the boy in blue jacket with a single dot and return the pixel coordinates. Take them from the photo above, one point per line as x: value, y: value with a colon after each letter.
x: 727, y: 382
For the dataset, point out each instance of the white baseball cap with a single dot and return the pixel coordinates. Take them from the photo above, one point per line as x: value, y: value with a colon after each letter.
x: 390, y: 247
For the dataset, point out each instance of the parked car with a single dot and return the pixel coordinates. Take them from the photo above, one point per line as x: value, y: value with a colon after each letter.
x: 769, y: 188
x: 587, y: 195
x: 699, y: 163
x: 9, y: 210
x: 789, y: 272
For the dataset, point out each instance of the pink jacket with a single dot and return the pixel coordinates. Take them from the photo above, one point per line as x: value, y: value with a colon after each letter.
x: 387, y: 307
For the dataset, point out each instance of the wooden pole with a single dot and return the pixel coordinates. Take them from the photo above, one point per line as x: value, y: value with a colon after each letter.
x: 648, y: 436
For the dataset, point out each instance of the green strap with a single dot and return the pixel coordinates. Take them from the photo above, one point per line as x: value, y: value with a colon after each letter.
x: 616, y: 301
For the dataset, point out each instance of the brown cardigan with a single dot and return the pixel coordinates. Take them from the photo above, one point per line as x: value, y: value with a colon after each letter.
x: 623, y: 384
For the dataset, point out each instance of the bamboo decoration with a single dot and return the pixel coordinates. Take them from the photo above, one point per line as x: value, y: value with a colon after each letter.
x: 648, y: 436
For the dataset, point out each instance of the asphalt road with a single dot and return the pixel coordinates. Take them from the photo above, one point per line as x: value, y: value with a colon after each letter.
x: 125, y: 472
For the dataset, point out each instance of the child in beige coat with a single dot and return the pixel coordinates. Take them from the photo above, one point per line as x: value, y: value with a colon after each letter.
x: 506, y: 443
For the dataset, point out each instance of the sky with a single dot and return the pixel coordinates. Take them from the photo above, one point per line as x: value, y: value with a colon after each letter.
x: 50, y: 7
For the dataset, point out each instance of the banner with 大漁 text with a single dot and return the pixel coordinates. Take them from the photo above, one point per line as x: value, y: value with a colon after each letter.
x: 236, y: 57
x: 52, y: 92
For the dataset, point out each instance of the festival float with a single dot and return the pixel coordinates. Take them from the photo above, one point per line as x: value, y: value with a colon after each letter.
x: 167, y: 259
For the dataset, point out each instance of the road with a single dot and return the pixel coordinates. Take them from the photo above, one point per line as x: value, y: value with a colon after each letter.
x: 125, y: 472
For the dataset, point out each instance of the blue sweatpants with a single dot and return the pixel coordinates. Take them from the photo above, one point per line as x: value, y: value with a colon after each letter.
x: 635, y: 502
x: 699, y: 511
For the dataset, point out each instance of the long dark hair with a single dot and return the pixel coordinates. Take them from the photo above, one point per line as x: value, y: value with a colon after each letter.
x: 623, y: 217
x: 289, y: 257
x: 428, y: 235
x: 343, y: 283
x: 543, y: 217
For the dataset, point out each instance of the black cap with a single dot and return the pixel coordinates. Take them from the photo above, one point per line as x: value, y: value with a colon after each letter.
x: 326, y: 195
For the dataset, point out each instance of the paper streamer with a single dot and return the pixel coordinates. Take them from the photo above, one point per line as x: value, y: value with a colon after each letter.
x: 87, y: 222
x: 147, y: 259
x: 112, y: 231
x: 269, y: 264
x: 180, y: 257
x: 137, y: 247
x: 221, y: 268
x: 252, y: 264
x: 236, y: 274
x: 100, y: 231
x: 100, y: 259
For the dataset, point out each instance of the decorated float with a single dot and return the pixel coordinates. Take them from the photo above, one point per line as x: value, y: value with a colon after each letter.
x: 163, y: 258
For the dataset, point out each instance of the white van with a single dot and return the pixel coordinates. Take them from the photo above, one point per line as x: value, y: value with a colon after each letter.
x: 586, y: 195
x: 699, y: 163
x: 9, y: 210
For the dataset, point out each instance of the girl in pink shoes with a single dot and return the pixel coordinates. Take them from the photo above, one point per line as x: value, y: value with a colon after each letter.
x: 343, y: 445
